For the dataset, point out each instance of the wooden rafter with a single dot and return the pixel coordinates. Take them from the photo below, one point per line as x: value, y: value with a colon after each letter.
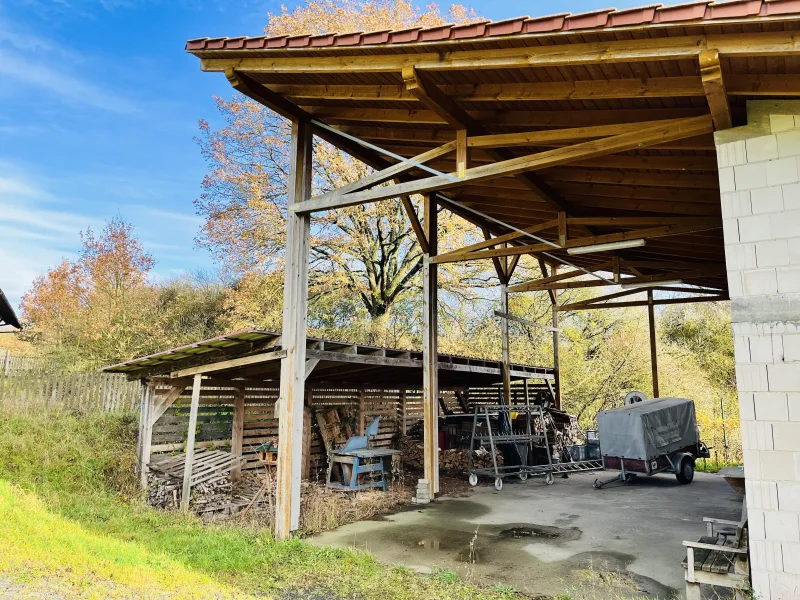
x: 411, y: 213
x: 564, y: 285
x: 500, y: 239
x: 448, y: 109
x: 646, y: 87
x: 714, y: 85
x: 688, y: 225
x: 691, y: 300
x: 647, y: 136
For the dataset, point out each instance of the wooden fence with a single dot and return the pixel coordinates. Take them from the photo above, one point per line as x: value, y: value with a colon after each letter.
x: 32, y: 382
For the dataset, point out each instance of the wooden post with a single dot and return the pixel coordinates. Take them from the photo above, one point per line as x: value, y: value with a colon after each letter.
x: 361, y: 423
x: 293, y: 337
x: 430, y: 375
x: 187, y: 470
x: 305, y: 471
x: 403, y: 428
x: 237, y: 429
x: 505, y: 344
x: 556, y: 340
x: 651, y: 317
x: 145, y: 433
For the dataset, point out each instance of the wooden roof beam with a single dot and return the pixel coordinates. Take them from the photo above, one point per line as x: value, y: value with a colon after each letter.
x: 563, y: 285
x: 646, y: 136
x: 756, y: 44
x: 714, y: 85
x: 645, y: 87
x: 686, y: 227
x: 449, y: 110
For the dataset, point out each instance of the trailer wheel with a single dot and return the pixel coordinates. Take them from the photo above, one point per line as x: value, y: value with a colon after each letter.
x: 597, y: 485
x: 549, y: 479
x: 498, y: 484
x: 473, y: 479
x: 685, y: 472
x: 523, y: 476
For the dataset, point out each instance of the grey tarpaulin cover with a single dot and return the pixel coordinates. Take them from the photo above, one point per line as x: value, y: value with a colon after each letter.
x: 648, y: 429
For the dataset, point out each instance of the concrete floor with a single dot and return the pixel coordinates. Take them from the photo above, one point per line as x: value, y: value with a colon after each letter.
x: 550, y: 540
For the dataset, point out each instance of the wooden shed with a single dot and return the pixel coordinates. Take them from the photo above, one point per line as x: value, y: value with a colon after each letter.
x: 644, y: 148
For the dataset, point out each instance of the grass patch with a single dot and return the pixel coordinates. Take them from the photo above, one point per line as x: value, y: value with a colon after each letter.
x: 704, y: 465
x: 71, y: 516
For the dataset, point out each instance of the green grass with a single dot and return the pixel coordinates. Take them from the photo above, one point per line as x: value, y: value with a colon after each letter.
x: 71, y: 519
x: 705, y: 465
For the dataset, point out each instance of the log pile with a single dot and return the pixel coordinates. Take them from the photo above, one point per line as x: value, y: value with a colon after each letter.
x: 449, y: 460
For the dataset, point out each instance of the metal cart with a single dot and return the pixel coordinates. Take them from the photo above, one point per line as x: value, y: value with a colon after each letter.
x: 492, y: 426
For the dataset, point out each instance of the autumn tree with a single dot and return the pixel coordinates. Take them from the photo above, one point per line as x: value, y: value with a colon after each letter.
x: 366, y: 252
x: 97, y: 309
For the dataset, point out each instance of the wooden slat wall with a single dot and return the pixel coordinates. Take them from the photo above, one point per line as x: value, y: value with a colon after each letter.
x: 33, y: 382
x: 260, y: 425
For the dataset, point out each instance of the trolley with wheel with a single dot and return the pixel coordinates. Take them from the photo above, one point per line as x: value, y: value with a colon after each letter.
x: 650, y: 437
x: 493, y: 429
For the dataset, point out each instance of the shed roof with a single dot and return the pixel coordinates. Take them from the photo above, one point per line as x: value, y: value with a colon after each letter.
x: 255, y: 354
x: 622, y: 70
x: 7, y: 315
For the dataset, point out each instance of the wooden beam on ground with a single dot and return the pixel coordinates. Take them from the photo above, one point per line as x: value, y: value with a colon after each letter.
x: 653, y: 348
x: 714, y: 85
x: 295, y: 314
x: 430, y: 374
x: 237, y: 428
x: 190, y: 437
x: 619, y: 143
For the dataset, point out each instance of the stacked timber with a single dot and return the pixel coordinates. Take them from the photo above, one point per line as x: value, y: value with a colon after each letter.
x: 449, y: 460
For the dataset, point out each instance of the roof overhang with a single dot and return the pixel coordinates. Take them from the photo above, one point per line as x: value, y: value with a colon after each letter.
x: 7, y: 315
x: 532, y: 86
x: 255, y: 355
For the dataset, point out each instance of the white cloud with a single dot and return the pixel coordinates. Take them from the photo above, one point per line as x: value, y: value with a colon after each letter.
x: 71, y: 88
x: 33, y: 61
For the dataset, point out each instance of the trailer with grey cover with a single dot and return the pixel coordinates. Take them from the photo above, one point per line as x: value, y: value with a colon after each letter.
x: 650, y: 437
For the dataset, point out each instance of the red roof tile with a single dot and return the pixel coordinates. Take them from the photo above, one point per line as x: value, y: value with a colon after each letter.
x: 609, y: 18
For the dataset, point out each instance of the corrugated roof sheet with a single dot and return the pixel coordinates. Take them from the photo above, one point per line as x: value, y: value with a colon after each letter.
x: 696, y: 13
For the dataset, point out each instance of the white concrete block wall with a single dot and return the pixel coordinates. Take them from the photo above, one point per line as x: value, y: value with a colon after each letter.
x: 760, y: 194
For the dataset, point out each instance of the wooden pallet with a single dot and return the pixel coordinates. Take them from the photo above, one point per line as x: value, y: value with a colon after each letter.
x: 208, y: 465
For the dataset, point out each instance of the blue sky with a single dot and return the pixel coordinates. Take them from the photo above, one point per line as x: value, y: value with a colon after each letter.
x: 98, y: 107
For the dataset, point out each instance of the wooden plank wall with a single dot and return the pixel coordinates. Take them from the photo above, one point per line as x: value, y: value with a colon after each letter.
x: 215, y: 418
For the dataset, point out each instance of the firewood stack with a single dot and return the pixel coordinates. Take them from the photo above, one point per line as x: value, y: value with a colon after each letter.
x: 217, y: 497
x: 449, y: 460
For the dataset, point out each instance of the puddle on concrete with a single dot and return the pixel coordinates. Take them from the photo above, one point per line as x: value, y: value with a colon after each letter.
x: 541, y: 533
x: 530, y: 557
